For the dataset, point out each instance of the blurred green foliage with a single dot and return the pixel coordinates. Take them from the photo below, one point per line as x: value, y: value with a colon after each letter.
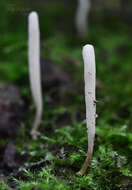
x: 53, y: 160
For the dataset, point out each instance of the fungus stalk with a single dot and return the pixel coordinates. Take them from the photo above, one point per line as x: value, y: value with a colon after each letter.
x: 34, y: 69
x: 81, y: 19
x: 90, y: 100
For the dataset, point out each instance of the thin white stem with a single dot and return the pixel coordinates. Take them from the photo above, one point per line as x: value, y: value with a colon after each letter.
x: 81, y: 18
x: 34, y: 68
x: 90, y: 100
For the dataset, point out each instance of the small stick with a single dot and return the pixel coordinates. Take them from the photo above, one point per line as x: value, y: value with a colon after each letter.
x: 34, y: 69
x: 90, y: 86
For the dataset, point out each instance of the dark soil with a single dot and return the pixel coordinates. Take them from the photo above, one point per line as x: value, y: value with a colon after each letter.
x: 13, y: 112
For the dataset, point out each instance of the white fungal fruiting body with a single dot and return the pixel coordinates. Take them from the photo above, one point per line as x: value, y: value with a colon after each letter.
x: 82, y: 17
x: 90, y: 99
x: 34, y: 68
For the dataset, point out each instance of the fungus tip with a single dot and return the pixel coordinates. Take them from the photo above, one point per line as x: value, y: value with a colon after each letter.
x: 33, y: 14
x: 88, y: 48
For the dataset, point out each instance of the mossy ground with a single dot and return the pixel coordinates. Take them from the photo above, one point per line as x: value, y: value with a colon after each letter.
x: 53, y: 160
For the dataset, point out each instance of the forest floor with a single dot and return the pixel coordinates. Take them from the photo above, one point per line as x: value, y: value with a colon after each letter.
x: 52, y: 161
